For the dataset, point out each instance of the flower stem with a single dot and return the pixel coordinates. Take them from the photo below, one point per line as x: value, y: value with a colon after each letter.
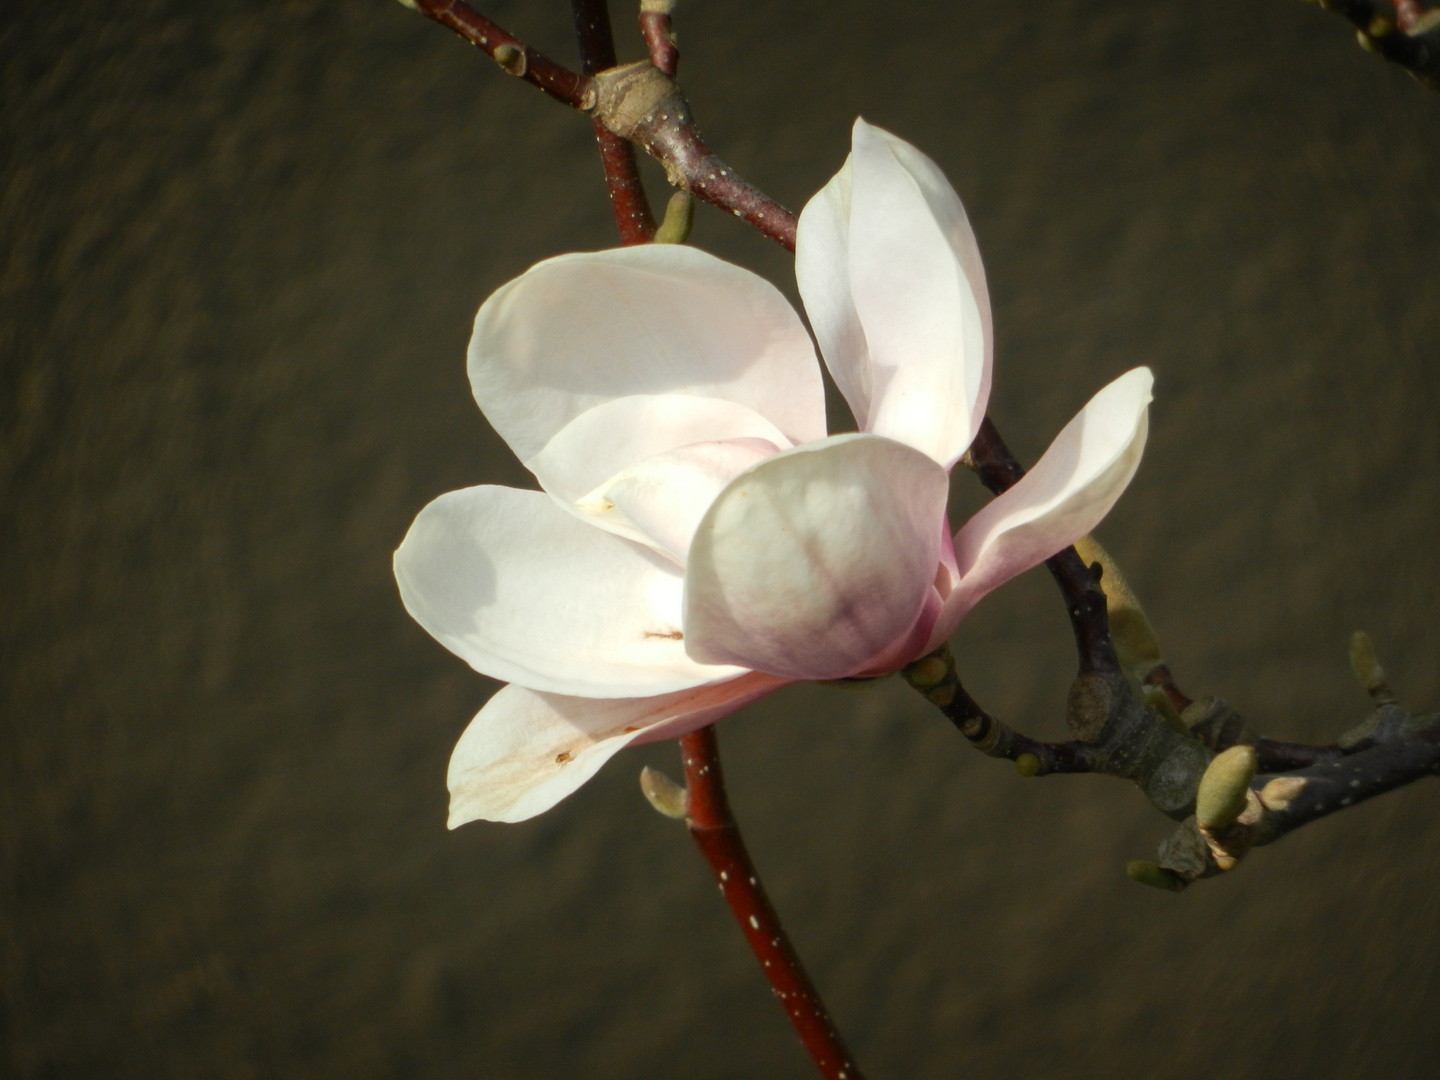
x: 715, y: 831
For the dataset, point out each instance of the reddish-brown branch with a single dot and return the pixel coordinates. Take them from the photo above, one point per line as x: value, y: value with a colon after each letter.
x: 633, y: 218
x: 713, y: 827
x: 669, y: 135
x: 512, y: 54
x: 655, y: 26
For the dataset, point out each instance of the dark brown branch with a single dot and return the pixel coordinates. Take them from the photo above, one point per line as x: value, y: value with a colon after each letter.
x: 713, y: 827
x: 1116, y: 734
x: 1278, y: 805
x: 1084, y: 598
x: 935, y: 677
x: 633, y: 218
x: 1399, y: 32
x: 1336, y: 785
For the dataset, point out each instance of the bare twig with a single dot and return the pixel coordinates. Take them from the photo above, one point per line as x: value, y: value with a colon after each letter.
x: 513, y: 55
x: 633, y: 219
x: 1116, y: 734
x: 713, y: 827
x: 659, y: 36
x: 936, y: 678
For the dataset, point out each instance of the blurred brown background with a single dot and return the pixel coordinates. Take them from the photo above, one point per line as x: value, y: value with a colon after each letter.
x: 240, y: 248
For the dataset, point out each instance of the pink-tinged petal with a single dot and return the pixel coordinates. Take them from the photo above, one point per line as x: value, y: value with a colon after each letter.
x: 527, y: 750
x: 813, y: 563
x: 579, y: 330
x: 1070, y: 489
x: 661, y: 500
x: 947, y: 580
x: 613, y: 436
x: 915, y: 329
x: 523, y: 591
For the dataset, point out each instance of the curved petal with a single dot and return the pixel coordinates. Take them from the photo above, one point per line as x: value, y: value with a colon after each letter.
x: 524, y: 591
x: 525, y: 750
x: 613, y: 436
x: 578, y: 330
x: 1070, y: 489
x: 814, y: 562
x: 891, y: 277
x: 822, y: 272
x: 661, y: 500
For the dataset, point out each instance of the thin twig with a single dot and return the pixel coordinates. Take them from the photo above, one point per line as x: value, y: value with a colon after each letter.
x: 513, y: 55
x: 1116, y: 734
x: 655, y: 26
x: 713, y: 827
x: 633, y: 218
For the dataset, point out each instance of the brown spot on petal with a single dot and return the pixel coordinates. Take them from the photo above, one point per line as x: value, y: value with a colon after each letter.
x: 562, y: 757
x: 628, y: 730
x: 669, y: 635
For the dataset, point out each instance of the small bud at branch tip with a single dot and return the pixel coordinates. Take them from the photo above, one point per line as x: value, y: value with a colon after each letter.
x: 1156, y: 876
x: 1366, y: 666
x: 1222, y: 795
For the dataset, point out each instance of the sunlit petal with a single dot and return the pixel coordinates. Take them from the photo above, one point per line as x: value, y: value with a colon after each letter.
x: 579, y: 330
x: 1070, y: 489
x: 526, y: 592
x: 891, y: 277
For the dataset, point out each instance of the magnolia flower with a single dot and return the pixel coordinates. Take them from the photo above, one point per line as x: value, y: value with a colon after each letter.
x: 699, y: 540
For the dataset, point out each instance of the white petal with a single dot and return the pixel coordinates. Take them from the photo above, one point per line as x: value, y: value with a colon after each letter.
x: 911, y: 345
x: 1070, y: 489
x: 661, y: 500
x: 822, y: 272
x: 612, y: 437
x: 526, y: 592
x: 525, y: 751
x: 579, y: 330
x: 816, y: 561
